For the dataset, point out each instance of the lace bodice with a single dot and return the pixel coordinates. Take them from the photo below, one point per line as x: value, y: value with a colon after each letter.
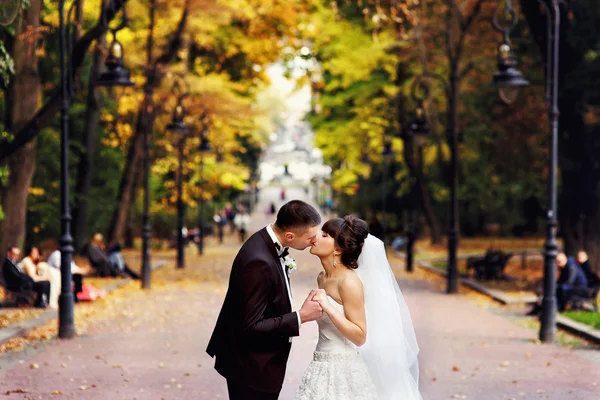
x: 330, y: 338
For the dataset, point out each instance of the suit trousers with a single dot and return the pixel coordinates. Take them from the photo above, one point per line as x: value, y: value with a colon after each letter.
x: 240, y: 392
x: 41, y: 288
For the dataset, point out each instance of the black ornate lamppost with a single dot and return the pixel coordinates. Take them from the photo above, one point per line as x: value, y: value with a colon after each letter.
x: 387, y: 154
x: 179, y: 127
x: 509, y: 80
x: 417, y: 129
x: 205, y: 147
x: 66, y: 319
x: 146, y: 228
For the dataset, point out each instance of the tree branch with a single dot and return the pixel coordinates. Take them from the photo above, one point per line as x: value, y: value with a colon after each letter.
x: 476, y: 10
x: 44, y: 116
x: 456, y: 10
x: 465, y: 71
x: 172, y: 47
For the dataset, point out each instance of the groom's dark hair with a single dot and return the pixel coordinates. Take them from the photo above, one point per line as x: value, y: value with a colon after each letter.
x: 297, y: 214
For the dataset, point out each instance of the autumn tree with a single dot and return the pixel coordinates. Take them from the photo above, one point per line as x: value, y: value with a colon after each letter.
x: 24, y: 119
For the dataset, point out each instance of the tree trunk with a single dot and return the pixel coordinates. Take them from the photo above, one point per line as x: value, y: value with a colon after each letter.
x: 129, y: 223
x: 145, y: 123
x: 134, y: 160
x: 88, y: 145
x: 427, y: 207
x: 415, y: 171
x: 24, y: 94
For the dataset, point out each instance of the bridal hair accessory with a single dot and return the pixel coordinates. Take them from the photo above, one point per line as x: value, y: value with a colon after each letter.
x: 289, y: 263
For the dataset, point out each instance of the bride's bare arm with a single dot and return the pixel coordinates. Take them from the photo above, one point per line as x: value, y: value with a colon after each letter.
x: 352, y: 323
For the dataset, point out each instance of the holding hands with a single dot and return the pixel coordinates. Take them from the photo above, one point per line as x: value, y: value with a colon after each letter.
x: 320, y: 296
x: 312, y: 309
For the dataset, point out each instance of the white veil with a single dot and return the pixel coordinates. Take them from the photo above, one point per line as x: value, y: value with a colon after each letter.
x: 391, y: 349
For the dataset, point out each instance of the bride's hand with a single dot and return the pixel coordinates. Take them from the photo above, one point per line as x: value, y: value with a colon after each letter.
x: 321, y: 298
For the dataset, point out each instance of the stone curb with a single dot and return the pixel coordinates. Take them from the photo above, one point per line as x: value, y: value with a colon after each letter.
x: 20, y: 329
x: 496, y: 295
x: 464, y: 256
x: 585, y: 331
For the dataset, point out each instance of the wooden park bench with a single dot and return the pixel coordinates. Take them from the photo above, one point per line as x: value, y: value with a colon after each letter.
x: 16, y: 299
x: 490, y: 266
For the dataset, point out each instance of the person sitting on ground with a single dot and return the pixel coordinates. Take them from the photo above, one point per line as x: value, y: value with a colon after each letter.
x: 584, y: 263
x: 571, y: 281
x: 17, y: 281
x: 38, y: 270
x: 118, y: 261
x: 98, y: 258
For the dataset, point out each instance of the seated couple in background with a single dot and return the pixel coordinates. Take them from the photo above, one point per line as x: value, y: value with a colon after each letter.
x: 575, y: 280
x: 107, y: 263
x: 16, y: 280
x: 33, y: 274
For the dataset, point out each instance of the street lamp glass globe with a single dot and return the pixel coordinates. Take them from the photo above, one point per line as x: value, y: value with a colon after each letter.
x: 508, y: 94
x: 178, y: 113
x: 504, y: 53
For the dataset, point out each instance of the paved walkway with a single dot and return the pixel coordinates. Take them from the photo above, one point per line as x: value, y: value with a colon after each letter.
x: 155, y: 348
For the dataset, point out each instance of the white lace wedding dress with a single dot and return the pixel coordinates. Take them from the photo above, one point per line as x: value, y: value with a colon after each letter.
x: 337, y: 371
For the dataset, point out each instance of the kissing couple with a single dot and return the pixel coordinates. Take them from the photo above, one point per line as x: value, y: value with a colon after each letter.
x: 367, y: 347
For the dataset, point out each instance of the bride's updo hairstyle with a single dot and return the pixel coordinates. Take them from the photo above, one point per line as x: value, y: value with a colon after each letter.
x: 349, y: 234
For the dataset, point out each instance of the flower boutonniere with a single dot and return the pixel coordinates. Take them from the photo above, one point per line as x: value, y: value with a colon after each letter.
x: 290, y: 263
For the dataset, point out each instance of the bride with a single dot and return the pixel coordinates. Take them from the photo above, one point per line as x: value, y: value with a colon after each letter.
x: 367, y: 347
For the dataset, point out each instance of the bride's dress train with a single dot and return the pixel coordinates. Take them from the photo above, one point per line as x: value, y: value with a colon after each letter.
x: 337, y: 371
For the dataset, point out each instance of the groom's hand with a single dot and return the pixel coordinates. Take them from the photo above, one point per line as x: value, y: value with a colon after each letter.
x: 311, y: 310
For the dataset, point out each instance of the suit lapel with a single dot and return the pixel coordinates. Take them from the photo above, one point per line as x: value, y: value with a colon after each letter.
x: 276, y: 262
x: 265, y: 235
x: 15, y: 265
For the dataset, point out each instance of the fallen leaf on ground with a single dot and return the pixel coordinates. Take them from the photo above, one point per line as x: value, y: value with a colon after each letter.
x: 16, y: 391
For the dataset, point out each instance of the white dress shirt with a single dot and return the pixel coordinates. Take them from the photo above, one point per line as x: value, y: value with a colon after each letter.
x: 283, y: 267
x: 55, y: 261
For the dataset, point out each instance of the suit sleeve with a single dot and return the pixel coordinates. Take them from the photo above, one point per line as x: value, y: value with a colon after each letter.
x: 256, y: 287
x: 572, y: 274
x: 13, y: 274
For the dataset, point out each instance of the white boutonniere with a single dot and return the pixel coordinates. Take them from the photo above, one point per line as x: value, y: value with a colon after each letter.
x: 290, y: 263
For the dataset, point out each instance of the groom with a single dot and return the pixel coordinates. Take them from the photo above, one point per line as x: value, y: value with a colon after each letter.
x: 252, y: 338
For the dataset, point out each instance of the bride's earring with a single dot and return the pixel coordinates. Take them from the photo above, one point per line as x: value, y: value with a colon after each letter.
x: 334, y: 261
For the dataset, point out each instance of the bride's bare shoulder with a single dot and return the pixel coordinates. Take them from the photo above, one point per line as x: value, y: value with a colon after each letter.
x: 351, y: 283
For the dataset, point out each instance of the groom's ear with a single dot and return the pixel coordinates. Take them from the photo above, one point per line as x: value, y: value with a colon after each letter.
x: 289, y: 236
